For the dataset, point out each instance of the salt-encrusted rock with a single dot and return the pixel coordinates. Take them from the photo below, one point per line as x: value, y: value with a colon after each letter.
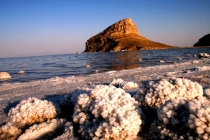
x: 87, y: 66
x: 161, y: 61
x: 119, y: 83
x: 43, y: 131
x: 179, y: 58
x: 204, y: 55
x: 5, y: 76
x: 9, y: 132
x: 129, y: 85
x: 156, y: 93
x: 182, y: 119
x: 106, y: 112
x: 121, y: 36
x: 204, y: 41
x: 31, y: 111
x: 195, y: 62
x: 21, y: 72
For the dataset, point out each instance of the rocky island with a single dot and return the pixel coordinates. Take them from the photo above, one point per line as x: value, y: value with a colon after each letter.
x: 121, y: 36
x: 204, y: 41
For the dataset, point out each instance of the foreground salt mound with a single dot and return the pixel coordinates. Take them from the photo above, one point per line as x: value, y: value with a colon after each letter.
x: 43, y: 130
x: 31, y: 111
x: 9, y: 132
x: 119, y: 83
x: 156, y: 93
x: 184, y: 120
x: 5, y: 76
x: 106, y: 112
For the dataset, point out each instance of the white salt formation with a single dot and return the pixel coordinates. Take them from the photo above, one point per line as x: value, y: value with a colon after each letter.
x: 43, y: 130
x: 119, y: 83
x: 184, y: 119
x: 199, y: 119
x: 174, y: 120
x: 204, y: 55
x: 106, y: 112
x: 72, y: 99
x: 129, y: 85
x: 157, y: 93
x: 5, y: 76
x: 9, y: 132
x: 31, y: 111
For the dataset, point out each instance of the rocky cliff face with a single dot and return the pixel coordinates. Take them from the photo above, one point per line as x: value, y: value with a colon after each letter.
x: 121, y: 36
x: 204, y: 41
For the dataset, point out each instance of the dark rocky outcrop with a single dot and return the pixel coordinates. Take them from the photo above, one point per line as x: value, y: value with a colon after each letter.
x: 204, y: 41
x: 121, y: 36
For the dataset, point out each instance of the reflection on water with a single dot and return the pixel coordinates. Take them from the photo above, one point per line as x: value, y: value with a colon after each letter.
x: 44, y: 67
x: 124, y: 60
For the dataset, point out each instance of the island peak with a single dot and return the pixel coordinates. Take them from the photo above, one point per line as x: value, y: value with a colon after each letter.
x: 121, y: 36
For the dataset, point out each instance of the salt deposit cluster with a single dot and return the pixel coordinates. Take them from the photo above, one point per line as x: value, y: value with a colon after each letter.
x: 39, y: 131
x: 31, y: 111
x: 9, y: 132
x: 184, y: 120
x: 109, y: 112
x: 106, y: 112
x: 156, y: 93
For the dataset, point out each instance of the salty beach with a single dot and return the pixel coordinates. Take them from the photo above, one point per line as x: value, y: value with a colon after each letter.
x: 54, y: 89
x: 108, y: 70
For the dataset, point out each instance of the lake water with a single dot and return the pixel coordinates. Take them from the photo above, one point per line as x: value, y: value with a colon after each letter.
x: 44, y: 67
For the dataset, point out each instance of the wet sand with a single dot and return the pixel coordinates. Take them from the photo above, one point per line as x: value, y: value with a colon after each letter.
x: 53, y: 89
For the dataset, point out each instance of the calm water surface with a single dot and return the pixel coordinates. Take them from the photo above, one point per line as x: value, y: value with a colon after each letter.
x: 44, y: 67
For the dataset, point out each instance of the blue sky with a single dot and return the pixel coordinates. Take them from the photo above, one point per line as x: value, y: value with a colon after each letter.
x: 43, y: 27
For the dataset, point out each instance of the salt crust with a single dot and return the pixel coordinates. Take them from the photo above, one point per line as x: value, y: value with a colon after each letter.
x: 204, y: 68
x: 106, y: 112
x: 38, y: 131
x: 156, y: 93
x: 9, y: 132
x: 184, y: 120
x: 31, y: 111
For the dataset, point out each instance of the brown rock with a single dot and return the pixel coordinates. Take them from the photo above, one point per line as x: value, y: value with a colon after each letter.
x: 121, y: 36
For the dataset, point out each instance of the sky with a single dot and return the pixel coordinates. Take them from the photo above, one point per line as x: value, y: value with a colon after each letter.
x: 45, y: 27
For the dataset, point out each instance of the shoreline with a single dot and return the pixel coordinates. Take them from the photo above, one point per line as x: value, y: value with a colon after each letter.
x: 12, y: 93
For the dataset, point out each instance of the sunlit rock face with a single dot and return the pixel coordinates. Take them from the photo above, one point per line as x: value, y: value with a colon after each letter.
x: 204, y: 41
x: 121, y: 36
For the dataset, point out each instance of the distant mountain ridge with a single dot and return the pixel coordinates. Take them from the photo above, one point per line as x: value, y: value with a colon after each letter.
x: 204, y: 41
x: 121, y: 36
